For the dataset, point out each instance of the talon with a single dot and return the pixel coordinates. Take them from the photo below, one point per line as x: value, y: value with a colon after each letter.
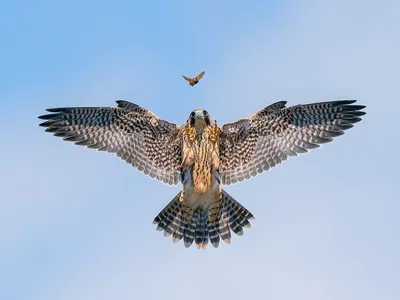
x: 192, y: 134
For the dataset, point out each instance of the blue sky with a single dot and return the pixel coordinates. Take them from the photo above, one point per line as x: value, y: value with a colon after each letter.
x: 76, y: 224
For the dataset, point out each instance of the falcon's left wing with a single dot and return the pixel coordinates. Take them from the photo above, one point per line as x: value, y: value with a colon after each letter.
x: 251, y: 146
x: 133, y: 133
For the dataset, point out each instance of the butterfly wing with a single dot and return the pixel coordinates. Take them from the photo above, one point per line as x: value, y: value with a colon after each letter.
x: 190, y: 80
x: 200, y: 76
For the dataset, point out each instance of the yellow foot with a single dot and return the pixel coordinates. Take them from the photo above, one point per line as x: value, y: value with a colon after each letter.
x: 191, y: 132
x: 214, y: 133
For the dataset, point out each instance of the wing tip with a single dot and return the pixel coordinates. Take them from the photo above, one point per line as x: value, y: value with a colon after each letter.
x: 45, y: 124
x: 349, y: 101
x: 349, y: 104
x: 359, y: 107
x: 45, y: 117
x: 127, y: 104
x: 52, y: 109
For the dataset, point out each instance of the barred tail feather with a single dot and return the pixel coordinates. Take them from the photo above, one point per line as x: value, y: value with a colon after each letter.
x: 232, y: 216
x: 188, y: 236
x: 201, y: 237
x: 166, y: 217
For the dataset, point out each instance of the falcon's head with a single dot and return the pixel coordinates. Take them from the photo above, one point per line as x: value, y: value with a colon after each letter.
x: 199, y: 118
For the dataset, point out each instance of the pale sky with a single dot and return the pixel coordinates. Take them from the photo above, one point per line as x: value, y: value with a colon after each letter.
x: 77, y: 224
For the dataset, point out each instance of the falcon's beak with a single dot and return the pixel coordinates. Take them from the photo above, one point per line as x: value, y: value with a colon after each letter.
x: 199, y: 115
x: 199, y: 119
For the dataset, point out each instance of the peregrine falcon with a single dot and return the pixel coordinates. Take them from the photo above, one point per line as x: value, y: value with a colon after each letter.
x: 194, y: 81
x: 202, y: 155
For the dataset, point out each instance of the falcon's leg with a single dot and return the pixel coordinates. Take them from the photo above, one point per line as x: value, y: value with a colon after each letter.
x: 188, y: 159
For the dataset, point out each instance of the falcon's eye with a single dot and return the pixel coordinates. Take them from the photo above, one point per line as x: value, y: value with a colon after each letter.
x: 207, y: 117
x: 191, y: 119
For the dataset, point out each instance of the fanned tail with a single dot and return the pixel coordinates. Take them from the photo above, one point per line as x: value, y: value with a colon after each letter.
x: 231, y: 216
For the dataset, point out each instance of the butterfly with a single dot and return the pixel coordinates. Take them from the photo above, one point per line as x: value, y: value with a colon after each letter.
x: 193, y: 81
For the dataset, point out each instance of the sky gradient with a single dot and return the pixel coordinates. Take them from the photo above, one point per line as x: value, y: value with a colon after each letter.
x: 76, y: 224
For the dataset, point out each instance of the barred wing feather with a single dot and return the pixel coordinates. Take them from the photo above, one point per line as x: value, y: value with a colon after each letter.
x: 251, y: 146
x: 133, y: 133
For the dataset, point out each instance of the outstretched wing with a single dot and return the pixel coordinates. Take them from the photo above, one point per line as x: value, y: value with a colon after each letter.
x: 133, y: 133
x: 188, y: 79
x: 251, y: 146
x: 199, y: 76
